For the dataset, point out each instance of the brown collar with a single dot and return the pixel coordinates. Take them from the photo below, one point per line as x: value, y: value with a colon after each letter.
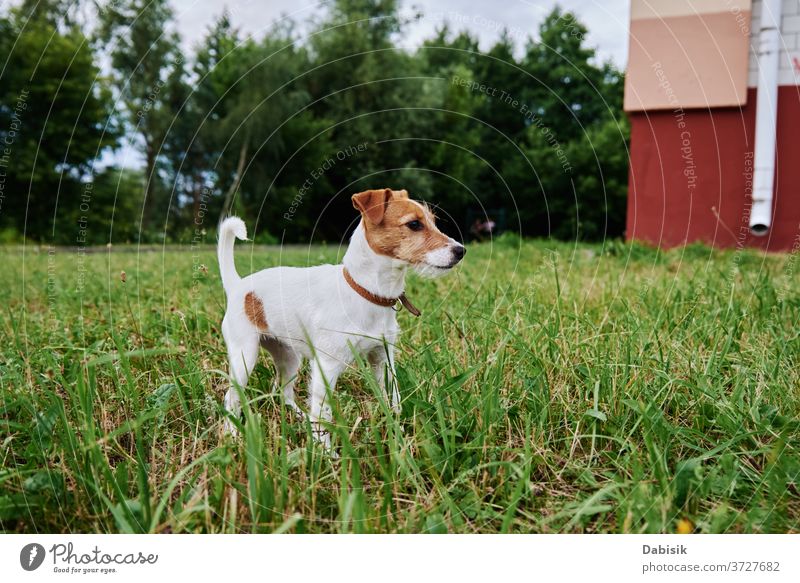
x: 379, y: 300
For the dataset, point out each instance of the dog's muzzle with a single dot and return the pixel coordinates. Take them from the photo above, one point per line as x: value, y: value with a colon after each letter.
x: 458, y: 251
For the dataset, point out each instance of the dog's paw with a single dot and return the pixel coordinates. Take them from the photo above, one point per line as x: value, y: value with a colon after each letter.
x: 230, y: 428
x: 323, y: 438
x: 299, y: 413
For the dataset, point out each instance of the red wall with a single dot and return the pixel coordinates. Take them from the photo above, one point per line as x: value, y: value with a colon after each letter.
x: 691, y: 176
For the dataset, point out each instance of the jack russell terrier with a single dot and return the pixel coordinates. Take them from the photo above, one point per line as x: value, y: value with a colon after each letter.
x: 330, y: 313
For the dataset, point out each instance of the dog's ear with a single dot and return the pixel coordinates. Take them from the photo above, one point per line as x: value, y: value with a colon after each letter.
x: 402, y: 194
x: 372, y: 203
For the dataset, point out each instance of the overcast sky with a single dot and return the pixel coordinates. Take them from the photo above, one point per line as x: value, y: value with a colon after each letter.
x: 607, y: 20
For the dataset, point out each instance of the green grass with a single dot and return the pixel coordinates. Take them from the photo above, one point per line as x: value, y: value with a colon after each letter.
x: 546, y: 388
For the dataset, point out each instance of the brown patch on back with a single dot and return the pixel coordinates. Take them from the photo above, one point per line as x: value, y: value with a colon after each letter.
x: 254, y: 309
x: 389, y: 234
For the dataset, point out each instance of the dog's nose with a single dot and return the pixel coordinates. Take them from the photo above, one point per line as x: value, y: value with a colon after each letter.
x: 459, y: 252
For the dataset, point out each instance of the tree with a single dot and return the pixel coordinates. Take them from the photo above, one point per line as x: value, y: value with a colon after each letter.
x: 574, y: 103
x: 147, y: 64
x: 445, y: 51
x: 116, y: 201
x: 453, y: 125
x: 243, y: 129
x: 55, y: 120
x: 368, y: 89
x: 219, y: 71
x: 569, y: 91
x: 600, y: 167
x: 283, y: 129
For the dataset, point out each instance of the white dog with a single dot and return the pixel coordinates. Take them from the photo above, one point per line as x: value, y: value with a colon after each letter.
x: 329, y: 313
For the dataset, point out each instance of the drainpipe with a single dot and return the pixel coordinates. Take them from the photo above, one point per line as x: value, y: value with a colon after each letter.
x: 766, y: 117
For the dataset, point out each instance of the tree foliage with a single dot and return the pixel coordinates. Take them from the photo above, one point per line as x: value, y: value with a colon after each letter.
x: 283, y: 128
x: 55, y: 122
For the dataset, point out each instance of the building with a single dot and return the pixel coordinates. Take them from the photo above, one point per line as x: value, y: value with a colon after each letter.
x: 712, y: 96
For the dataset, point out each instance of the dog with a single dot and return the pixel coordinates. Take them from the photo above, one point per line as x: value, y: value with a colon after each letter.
x: 328, y: 314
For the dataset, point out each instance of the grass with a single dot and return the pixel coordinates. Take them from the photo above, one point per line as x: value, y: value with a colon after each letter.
x: 547, y: 388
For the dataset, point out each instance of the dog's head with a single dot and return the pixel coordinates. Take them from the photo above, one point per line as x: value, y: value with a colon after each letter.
x: 405, y: 229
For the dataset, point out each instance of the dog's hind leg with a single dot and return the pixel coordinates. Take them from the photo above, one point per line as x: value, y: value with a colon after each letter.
x: 242, y: 354
x: 324, y: 373
x: 287, y: 364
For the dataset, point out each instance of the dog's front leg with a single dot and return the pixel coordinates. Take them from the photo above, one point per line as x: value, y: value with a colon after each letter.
x: 324, y: 373
x: 382, y: 361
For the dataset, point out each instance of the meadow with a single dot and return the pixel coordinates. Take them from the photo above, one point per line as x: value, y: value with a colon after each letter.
x: 548, y: 387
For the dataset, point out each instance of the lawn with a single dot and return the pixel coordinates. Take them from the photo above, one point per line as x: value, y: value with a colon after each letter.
x: 547, y: 387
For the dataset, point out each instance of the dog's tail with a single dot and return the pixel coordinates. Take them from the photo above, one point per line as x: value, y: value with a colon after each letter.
x: 230, y: 228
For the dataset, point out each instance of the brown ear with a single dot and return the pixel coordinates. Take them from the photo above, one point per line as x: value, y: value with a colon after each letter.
x: 401, y: 193
x: 372, y: 203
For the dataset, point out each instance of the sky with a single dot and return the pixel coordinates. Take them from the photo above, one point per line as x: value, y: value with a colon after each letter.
x: 607, y: 20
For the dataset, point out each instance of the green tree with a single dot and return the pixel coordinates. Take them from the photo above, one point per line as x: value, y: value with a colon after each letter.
x: 569, y: 91
x: 574, y: 105
x: 55, y: 120
x: 453, y: 123
x: 600, y: 167
x: 114, y: 207
x: 283, y: 130
x: 148, y: 66
x: 245, y: 130
x: 444, y: 51
x: 373, y: 93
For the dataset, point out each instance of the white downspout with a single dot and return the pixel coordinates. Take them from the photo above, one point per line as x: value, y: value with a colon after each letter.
x: 766, y: 117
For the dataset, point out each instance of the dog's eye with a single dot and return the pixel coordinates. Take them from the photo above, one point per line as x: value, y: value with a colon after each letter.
x: 414, y: 225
